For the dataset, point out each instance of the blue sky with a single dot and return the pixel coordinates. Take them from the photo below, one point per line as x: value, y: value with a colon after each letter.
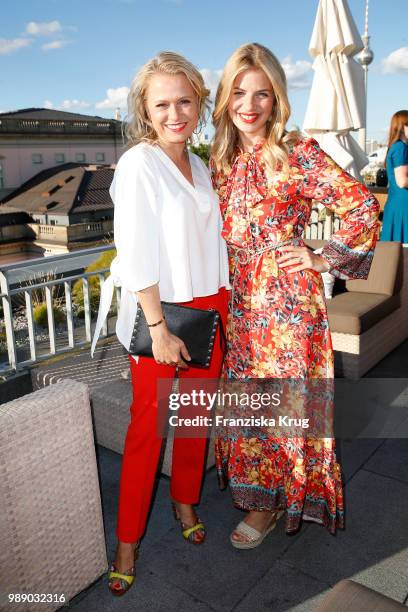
x: 81, y: 55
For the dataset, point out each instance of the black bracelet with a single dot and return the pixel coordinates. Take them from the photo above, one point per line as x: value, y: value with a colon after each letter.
x: 155, y: 324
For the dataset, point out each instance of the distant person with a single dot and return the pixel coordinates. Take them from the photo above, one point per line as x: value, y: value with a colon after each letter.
x: 167, y: 228
x: 395, y: 224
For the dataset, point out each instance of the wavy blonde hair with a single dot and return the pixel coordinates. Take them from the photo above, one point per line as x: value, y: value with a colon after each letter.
x: 138, y: 126
x: 278, y: 140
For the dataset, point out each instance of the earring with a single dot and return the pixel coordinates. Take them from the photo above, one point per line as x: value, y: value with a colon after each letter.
x: 199, y: 128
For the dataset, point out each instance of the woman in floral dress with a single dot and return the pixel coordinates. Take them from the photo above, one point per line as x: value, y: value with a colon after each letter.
x: 267, y: 179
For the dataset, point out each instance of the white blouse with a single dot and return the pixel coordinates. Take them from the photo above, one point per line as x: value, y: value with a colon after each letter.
x: 166, y: 231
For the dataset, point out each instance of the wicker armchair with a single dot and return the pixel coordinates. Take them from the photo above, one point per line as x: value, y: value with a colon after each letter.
x: 370, y: 317
x: 51, y: 530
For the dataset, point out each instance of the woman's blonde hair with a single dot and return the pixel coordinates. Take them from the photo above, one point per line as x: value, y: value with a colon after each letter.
x: 138, y: 126
x: 226, y: 140
x: 398, y: 121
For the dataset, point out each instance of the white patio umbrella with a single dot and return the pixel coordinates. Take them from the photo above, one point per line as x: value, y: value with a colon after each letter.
x: 336, y: 104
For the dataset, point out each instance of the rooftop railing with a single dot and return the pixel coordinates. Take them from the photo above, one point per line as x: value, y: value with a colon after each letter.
x: 47, y: 126
x: 19, y: 282
x: 322, y: 224
x: 18, y: 285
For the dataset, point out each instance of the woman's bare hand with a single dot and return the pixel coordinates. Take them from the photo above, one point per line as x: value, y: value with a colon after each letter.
x: 301, y: 258
x: 167, y: 348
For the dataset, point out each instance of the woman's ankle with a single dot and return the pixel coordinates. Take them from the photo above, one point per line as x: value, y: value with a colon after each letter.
x: 125, y: 555
x: 185, y: 512
x: 259, y: 516
x: 127, y: 546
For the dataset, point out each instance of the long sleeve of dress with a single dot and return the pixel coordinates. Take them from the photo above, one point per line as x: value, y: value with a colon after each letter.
x: 135, y: 224
x: 218, y: 179
x: 213, y: 173
x: 349, y: 251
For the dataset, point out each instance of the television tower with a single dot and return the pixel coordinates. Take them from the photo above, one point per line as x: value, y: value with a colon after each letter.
x: 365, y: 57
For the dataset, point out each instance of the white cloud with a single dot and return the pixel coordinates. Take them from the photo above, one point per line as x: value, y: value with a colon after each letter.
x: 397, y: 61
x: 297, y: 73
x: 114, y: 98
x: 69, y: 104
x: 44, y: 28
x: 54, y: 44
x: 10, y: 46
x: 211, y: 79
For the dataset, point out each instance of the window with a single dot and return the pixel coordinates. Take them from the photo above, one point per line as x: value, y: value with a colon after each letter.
x: 100, y: 157
x: 1, y: 177
x: 59, y: 158
x: 37, y: 158
x: 54, y: 189
x: 80, y: 157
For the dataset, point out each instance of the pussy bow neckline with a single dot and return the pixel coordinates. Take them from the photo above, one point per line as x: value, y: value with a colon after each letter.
x: 245, y: 189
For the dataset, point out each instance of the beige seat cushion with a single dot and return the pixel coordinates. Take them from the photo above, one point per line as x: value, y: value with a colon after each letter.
x: 315, y: 244
x: 349, y: 596
x: 354, y: 312
x: 385, y: 272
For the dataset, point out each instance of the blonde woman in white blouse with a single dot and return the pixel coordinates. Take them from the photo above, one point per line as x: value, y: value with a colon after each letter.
x: 167, y: 234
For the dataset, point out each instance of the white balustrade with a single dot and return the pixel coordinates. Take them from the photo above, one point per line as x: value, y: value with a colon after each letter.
x: 320, y: 227
x: 10, y: 293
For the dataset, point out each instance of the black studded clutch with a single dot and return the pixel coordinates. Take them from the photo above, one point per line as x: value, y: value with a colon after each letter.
x: 196, y: 327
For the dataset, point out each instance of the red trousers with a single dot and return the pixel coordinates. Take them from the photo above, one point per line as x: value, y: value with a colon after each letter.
x: 143, y: 442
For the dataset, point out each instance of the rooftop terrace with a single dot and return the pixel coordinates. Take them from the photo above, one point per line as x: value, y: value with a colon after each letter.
x: 286, y: 573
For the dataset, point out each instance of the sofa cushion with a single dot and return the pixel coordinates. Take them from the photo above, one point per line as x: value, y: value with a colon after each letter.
x: 354, y: 312
x: 315, y: 243
x: 349, y: 596
x: 385, y: 271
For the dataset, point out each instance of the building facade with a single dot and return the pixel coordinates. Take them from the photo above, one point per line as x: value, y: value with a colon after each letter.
x: 35, y: 139
x: 61, y: 209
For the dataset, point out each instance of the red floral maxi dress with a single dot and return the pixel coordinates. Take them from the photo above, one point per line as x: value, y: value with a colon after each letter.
x: 278, y: 325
